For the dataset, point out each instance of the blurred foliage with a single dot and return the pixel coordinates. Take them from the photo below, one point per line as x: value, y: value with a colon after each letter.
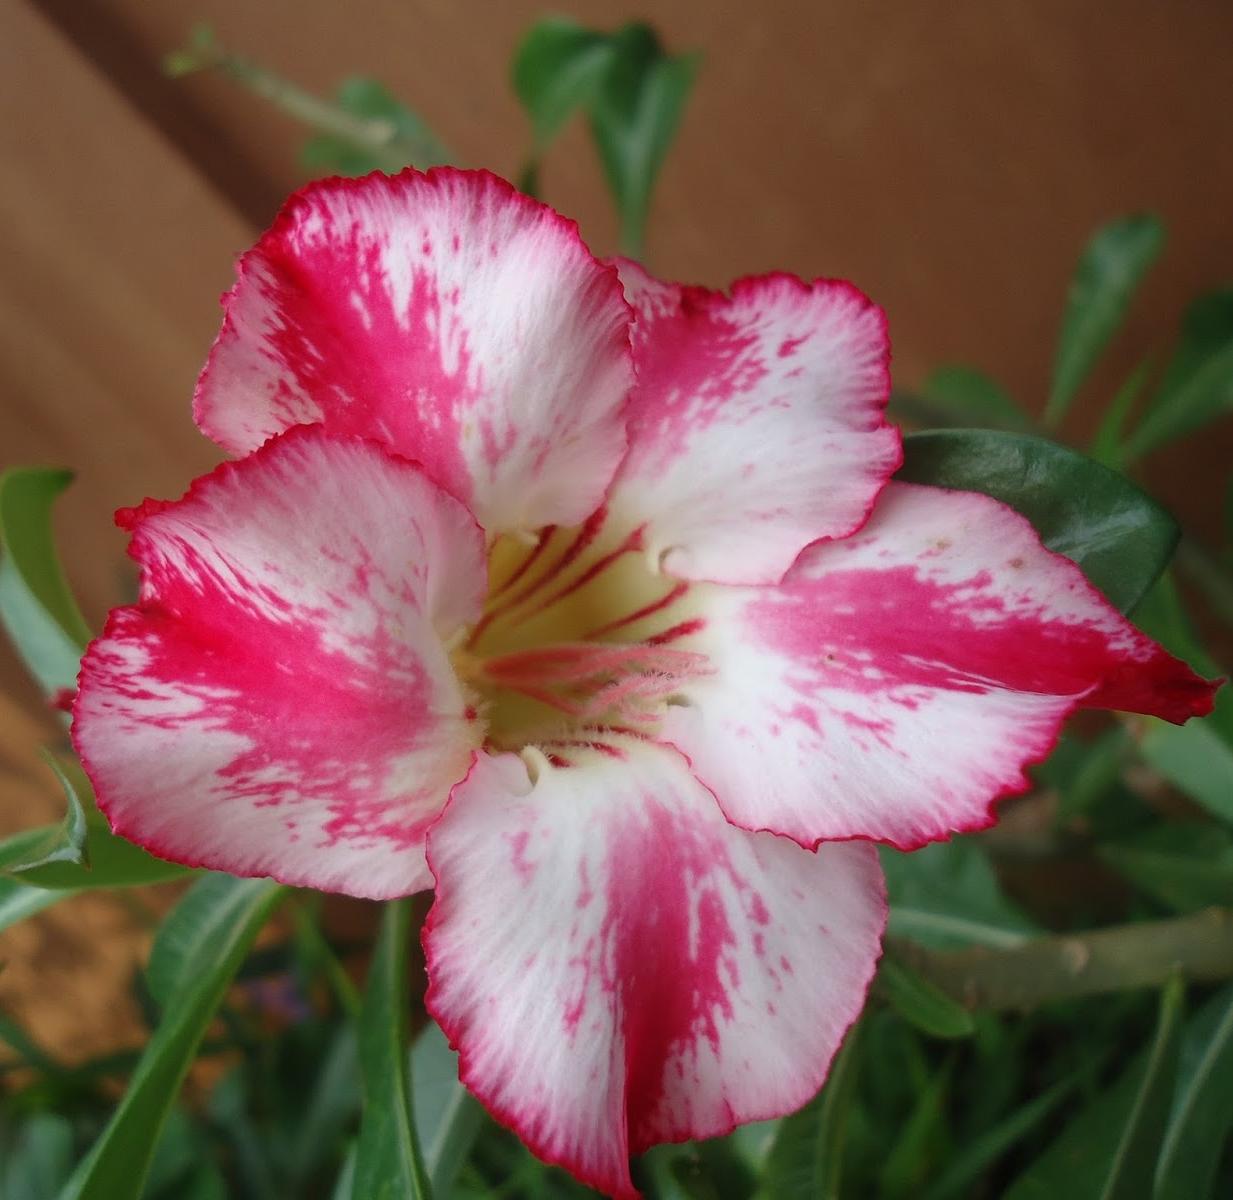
x: 304, y: 1085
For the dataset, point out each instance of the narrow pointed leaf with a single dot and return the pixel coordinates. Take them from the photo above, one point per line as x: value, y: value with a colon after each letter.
x: 1119, y: 536
x: 116, y: 1167
x: 634, y: 118
x: 1109, y: 1151
x: 388, y: 1164
x: 64, y: 843
x: 447, y: 1117
x: 36, y: 607
x: 104, y: 861
x: 1108, y: 273
x: 1198, y: 383
x: 19, y: 901
x: 962, y: 1171
x: 1202, y: 1114
x: 557, y: 72
x: 922, y: 1004
x: 806, y: 1157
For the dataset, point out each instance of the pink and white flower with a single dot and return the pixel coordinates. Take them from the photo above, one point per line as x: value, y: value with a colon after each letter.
x: 585, y: 599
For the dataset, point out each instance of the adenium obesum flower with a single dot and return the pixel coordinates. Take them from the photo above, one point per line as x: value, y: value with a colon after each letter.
x: 585, y: 599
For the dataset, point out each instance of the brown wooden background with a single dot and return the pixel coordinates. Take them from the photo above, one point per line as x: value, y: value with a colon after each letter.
x: 949, y: 157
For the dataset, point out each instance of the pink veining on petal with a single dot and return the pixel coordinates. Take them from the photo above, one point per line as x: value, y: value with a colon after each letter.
x: 658, y: 1008
x: 897, y: 683
x: 757, y: 425
x: 279, y: 701
x: 461, y: 323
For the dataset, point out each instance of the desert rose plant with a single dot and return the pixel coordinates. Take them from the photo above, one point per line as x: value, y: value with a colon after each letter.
x: 607, y: 611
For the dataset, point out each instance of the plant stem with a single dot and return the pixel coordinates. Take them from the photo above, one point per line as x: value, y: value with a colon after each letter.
x: 1145, y: 954
x: 380, y: 136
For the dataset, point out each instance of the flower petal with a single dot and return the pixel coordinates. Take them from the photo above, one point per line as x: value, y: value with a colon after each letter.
x: 465, y: 325
x: 619, y: 966
x: 897, y: 682
x: 756, y: 426
x: 279, y: 702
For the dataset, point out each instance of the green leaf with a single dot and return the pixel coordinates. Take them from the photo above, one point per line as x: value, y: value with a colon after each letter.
x: 38, y: 1162
x: 1119, y: 536
x: 388, y: 1165
x: 407, y: 139
x: 987, y: 1148
x: 1109, y: 271
x: 806, y: 1157
x: 963, y: 396
x: 557, y: 72
x: 922, y: 1004
x: 1109, y: 1151
x: 634, y: 117
x: 1096, y: 772
x: 106, y: 860
x: 447, y: 1117
x: 18, y: 901
x: 1198, y: 383
x: 1202, y: 1113
x: 204, y: 915
x: 917, y: 1139
x: 200, y: 956
x: 65, y: 842
x: 946, y: 896
x: 1187, y: 867
x: 1195, y: 758
x: 1107, y: 444
x: 36, y: 606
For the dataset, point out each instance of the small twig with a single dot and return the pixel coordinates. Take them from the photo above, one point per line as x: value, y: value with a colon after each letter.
x: 1146, y: 954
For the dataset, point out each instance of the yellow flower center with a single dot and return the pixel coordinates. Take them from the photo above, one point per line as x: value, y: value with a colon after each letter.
x: 579, y: 633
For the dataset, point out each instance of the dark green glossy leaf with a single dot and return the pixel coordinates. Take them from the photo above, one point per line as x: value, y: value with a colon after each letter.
x: 1108, y: 273
x: 388, y: 1165
x: 963, y: 396
x: 206, y: 954
x: 1198, y: 383
x: 1186, y: 867
x: 806, y: 1157
x: 1202, y: 1113
x: 1109, y: 1151
x: 922, y: 1004
x: 946, y: 896
x: 634, y: 117
x: 447, y: 1117
x: 36, y: 606
x: 1119, y: 536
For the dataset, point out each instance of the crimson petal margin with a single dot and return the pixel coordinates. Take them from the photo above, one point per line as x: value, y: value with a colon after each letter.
x: 280, y: 702
x: 463, y: 324
x: 619, y: 966
x: 897, y: 682
x: 757, y: 423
